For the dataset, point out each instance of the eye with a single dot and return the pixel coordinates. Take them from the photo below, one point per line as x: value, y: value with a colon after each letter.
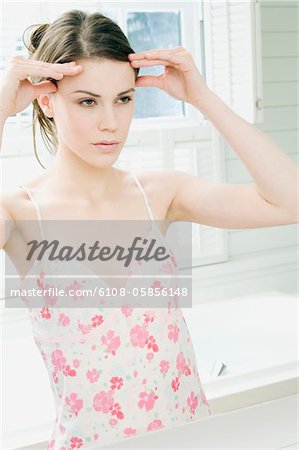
x: 86, y: 100
x: 126, y: 98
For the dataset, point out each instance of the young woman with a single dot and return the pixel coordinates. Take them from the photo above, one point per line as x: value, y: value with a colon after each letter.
x: 121, y: 372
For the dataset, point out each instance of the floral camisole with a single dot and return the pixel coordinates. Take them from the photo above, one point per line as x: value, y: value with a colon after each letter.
x: 115, y: 372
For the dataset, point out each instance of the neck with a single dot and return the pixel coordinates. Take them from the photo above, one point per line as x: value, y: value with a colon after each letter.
x: 82, y: 180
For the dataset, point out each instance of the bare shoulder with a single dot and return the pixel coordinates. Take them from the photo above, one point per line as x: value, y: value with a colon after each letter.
x: 14, y: 203
x: 8, y: 224
x: 161, y: 186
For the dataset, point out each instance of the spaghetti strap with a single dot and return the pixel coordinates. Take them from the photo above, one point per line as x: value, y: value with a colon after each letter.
x: 38, y: 214
x: 147, y: 204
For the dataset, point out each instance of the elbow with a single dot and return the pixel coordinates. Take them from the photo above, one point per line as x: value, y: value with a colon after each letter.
x: 293, y: 216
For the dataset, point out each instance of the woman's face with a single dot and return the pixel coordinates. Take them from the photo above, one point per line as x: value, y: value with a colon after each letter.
x: 105, y: 113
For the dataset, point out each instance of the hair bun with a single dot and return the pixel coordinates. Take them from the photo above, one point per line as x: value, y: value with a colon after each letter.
x: 35, y: 36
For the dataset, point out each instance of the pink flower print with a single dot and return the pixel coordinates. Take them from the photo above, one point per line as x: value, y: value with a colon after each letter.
x: 175, y: 384
x: 103, y: 401
x: 74, y: 403
x: 157, y: 284
x: 173, y: 259
x: 149, y: 356
x: 45, y: 313
x: 167, y: 267
x: 187, y: 371
x: 192, y: 402
x: 68, y: 371
x: 112, y: 342
x: 126, y: 311
x: 130, y: 431
x: 76, y: 442
x: 113, y: 422
x: 97, y: 320
x: 116, y: 411
x: 51, y: 444
x: 92, y: 375
x: 39, y: 279
x: 50, y: 300
x: 84, y: 328
x: 64, y: 320
x: 116, y: 383
x: 180, y: 362
x: 164, y: 366
x: 54, y: 376
x: 149, y: 317
x: 173, y: 333
x: 58, y: 360
x: 181, y: 365
x: 75, y: 286
x: 135, y: 373
x: 76, y: 363
x: 151, y: 343
x: 147, y: 400
x: 139, y: 335
x: 95, y: 436
x: 155, y: 425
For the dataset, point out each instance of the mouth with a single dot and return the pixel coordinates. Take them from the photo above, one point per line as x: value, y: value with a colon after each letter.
x: 106, y: 145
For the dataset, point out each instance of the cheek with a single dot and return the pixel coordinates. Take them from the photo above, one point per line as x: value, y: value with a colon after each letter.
x: 79, y: 120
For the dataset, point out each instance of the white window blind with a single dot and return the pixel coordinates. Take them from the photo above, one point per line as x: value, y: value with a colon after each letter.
x: 233, y: 54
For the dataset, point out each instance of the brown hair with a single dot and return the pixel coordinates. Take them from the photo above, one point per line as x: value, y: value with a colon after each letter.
x: 73, y: 35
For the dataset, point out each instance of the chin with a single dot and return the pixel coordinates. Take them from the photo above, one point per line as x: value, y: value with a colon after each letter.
x: 104, y: 161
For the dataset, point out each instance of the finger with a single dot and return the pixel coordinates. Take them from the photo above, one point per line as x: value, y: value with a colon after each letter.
x: 144, y: 55
x: 58, y: 67
x: 54, y: 70
x: 167, y: 60
x: 65, y: 69
x: 149, y: 80
x: 45, y: 87
x: 154, y: 62
x: 139, y: 55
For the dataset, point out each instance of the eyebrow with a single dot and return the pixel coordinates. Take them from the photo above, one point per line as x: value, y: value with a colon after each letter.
x: 97, y: 95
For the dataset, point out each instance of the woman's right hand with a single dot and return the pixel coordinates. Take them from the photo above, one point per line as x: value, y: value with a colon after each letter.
x: 17, y: 92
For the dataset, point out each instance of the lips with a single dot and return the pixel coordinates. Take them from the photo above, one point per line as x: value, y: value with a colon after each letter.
x: 106, y: 143
x: 106, y: 147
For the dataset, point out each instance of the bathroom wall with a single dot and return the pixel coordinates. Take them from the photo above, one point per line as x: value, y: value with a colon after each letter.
x: 265, y: 258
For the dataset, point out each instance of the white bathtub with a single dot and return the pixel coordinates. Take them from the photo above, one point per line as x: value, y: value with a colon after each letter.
x: 256, y: 338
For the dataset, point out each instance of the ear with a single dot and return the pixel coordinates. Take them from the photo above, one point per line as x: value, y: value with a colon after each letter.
x: 45, y: 102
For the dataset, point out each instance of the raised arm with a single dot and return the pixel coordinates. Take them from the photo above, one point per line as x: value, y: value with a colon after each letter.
x: 271, y: 200
x: 17, y: 92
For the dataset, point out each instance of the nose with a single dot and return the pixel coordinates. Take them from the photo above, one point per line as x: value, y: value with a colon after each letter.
x: 107, y: 121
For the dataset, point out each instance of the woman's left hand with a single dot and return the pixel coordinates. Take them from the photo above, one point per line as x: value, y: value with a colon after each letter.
x: 181, y: 78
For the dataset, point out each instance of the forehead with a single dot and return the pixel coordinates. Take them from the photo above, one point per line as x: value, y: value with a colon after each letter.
x: 104, y: 77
